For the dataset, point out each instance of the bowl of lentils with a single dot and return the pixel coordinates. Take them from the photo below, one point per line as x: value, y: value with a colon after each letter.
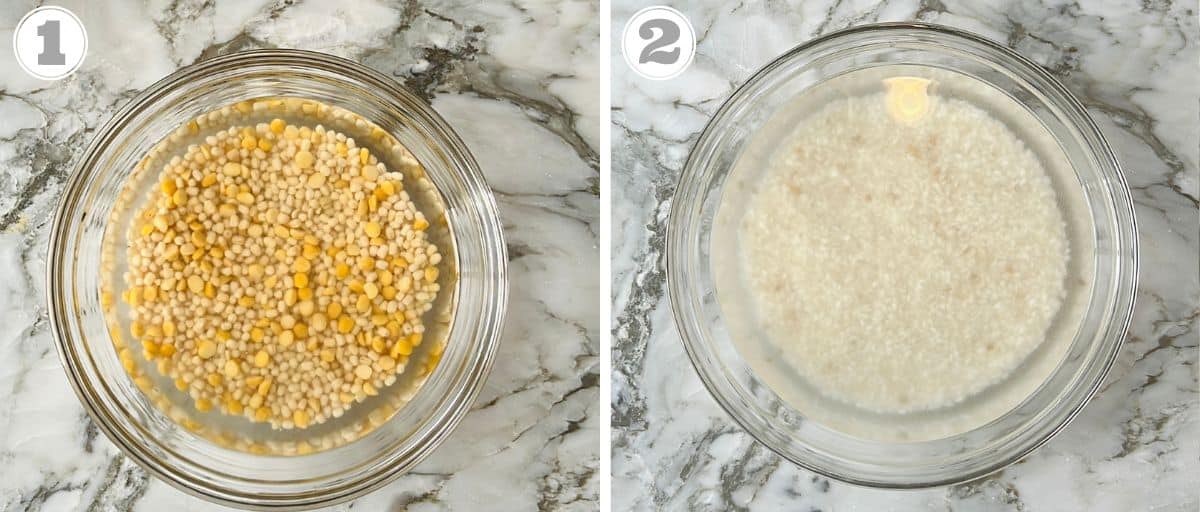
x: 277, y: 279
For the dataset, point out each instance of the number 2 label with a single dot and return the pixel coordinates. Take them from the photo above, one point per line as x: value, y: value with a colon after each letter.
x: 658, y: 43
x: 668, y: 34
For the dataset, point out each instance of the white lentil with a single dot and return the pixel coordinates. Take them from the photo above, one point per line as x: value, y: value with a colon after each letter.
x: 242, y: 252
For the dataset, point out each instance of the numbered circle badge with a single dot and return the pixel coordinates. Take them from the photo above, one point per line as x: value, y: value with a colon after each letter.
x: 658, y: 43
x: 50, y: 43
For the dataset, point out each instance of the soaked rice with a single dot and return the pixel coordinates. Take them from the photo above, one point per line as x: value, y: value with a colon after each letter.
x: 904, y: 266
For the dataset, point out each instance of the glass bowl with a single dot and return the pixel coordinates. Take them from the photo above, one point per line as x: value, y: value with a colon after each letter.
x: 230, y: 460
x: 954, y: 443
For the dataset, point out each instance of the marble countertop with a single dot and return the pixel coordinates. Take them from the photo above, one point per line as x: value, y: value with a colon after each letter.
x: 1136, y: 447
x: 531, y: 440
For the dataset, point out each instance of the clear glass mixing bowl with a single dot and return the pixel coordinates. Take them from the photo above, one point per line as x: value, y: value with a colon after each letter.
x: 249, y: 465
x: 964, y: 441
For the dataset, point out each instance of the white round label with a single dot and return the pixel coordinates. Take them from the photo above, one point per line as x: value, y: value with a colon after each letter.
x: 659, y: 43
x: 50, y: 43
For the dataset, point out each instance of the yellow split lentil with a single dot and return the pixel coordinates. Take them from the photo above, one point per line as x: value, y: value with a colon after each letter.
x: 279, y: 273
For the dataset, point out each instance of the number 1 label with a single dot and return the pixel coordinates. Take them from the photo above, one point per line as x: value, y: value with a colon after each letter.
x: 50, y: 43
x: 51, y: 54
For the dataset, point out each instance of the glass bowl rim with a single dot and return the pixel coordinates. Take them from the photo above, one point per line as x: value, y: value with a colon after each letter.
x: 684, y: 237
x: 494, y: 281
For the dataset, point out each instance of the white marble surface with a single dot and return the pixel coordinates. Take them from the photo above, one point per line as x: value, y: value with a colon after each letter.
x: 531, y: 441
x: 1136, y: 447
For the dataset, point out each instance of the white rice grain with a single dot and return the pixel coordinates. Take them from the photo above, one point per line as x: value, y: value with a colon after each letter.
x: 903, y: 267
